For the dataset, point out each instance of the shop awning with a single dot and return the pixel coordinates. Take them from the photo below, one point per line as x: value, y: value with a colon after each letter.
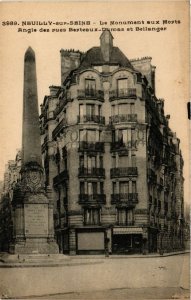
x: 127, y: 230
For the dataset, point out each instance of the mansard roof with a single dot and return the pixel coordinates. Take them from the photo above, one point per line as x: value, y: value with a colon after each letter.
x: 94, y: 57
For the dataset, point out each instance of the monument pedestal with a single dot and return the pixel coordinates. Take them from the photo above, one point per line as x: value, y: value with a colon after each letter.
x: 33, y: 215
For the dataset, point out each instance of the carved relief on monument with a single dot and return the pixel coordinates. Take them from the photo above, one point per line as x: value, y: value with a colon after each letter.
x: 32, y: 178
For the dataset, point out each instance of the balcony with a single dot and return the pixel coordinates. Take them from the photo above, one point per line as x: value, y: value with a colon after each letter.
x: 123, y: 93
x: 90, y: 146
x: 91, y: 119
x: 60, y: 177
x: 129, y: 199
x: 95, y: 199
x: 120, y: 146
x: 59, y: 128
x: 123, y: 118
x: 91, y: 172
x: 123, y: 172
x: 90, y: 94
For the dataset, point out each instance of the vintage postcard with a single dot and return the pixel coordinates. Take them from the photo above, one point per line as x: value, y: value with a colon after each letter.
x: 94, y: 168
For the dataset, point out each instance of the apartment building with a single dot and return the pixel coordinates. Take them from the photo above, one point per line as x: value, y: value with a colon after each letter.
x: 110, y: 158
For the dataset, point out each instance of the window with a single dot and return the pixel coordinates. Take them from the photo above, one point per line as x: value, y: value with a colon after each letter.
x: 82, y: 188
x: 91, y: 135
x: 132, y: 108
x: 92, y: 216
x: 124, y: 187
x: 101, y: 188
x: 123, y: 161
x: 91, y: 161
x: 99, y: 111
x: 134, y: 187
x: 82, y: 135
x: 81, y: 111
x: 114, y: 188
x: 133, y: 160
x: 81, y: 162
x: 101, y: 161
x: 124, y: 135
x: 125, y: 216
x: 92, y: 188
x: 122, y: 87
x: 90, y: 87
x: 123, y: 109
x: 90, y: 110
x: 113, y: 161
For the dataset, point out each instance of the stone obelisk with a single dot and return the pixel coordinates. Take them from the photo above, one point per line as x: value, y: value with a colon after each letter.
x: 32, y: 205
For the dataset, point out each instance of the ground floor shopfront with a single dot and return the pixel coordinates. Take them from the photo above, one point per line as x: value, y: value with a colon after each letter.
x: 115, y: 240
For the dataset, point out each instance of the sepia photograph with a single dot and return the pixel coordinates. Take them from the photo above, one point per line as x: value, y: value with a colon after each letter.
x: 94, y: 168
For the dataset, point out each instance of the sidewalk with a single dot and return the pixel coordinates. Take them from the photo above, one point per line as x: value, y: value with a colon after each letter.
x: 39, y: 260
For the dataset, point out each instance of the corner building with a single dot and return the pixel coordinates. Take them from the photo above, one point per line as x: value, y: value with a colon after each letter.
x: 113, y: 163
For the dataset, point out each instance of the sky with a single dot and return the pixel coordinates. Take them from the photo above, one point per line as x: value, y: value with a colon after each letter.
x: 168, y: 48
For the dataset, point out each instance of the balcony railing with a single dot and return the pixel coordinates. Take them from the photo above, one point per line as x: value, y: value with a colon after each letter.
x: 90, y: 94
x: 91, y: 172
x: 95, y: 199
x: 60, y: 177
x: 92, y: 119
x: 119, y: 146
x: 123, y: 93
x: 123, y: 172
x: 129, y: 199
x: 59, y: 128
x: 123, y: 118
x: 90, y: 146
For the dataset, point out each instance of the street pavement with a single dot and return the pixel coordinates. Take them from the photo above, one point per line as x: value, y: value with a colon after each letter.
x: 101, y: 278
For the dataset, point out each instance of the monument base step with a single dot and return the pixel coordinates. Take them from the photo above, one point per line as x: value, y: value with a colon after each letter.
x: 32, y: 258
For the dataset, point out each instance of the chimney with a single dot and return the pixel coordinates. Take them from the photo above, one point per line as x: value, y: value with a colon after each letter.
x: 106, y: 44
x: 70, y: 60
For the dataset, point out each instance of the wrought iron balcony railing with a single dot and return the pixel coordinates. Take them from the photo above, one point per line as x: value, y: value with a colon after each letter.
x: 59, y: 128
x: 91, y: 172
x: 94, y: 199
x: 123, y: 172
x: 90, y: 146
x: 119, y: 146
x: 60, y: 177
x: 123, y: 93
x: 90, y: 94
x: 92, y: 119
x: 129, y: 199
x: 123, y: 118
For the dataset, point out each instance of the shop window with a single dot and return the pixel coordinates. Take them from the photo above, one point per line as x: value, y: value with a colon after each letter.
x: 90, y: 87
x: 92, y: 216
x: 125, y: 216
